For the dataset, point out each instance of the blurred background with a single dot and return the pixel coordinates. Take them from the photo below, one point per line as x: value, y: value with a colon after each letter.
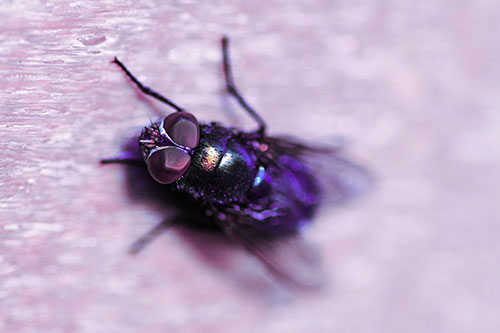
x: 411, y: 87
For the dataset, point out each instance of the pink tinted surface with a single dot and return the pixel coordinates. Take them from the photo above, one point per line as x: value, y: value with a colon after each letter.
x: 412, y: 86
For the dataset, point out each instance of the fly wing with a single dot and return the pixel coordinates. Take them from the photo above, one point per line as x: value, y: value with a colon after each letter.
x: 289, y: 258
x: 294, y: 169
x: 340, y: 179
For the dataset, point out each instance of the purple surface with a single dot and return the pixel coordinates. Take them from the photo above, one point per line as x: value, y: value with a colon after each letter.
x: 412, y: 86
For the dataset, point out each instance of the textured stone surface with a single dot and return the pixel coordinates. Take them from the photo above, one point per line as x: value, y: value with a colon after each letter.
x: 412, y: 86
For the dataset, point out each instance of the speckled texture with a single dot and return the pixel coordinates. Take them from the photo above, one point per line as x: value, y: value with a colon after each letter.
x: 411, y: 85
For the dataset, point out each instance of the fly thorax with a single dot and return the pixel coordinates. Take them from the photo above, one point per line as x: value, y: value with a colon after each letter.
x: 222, y: 167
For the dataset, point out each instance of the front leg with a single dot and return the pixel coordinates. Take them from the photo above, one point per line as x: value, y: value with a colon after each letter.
x: 125, y: 158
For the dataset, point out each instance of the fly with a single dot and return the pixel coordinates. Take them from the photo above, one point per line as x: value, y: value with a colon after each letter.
x: 258, y: 189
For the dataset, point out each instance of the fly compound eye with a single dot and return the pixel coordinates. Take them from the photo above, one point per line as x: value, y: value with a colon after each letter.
x: 168, y: 164
x: 183, y: 129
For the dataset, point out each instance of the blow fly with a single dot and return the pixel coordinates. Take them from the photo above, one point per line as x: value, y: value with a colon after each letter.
x: 258, y: 189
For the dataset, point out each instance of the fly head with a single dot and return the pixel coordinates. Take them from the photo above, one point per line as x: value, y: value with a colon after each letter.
x: 167, y: 146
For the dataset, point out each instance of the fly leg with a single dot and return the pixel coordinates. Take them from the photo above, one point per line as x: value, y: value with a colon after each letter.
x: 148, y: 237
x: 125, y: 158
x: 145, y: 89
x: 231, y: 87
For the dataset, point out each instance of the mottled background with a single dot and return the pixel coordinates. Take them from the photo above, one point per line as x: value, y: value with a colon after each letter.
x: 411, y: 86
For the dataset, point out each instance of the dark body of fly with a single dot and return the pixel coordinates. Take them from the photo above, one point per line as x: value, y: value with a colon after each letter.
x: 256, y: 188
x: 248, y: 175
x: 233, y: 172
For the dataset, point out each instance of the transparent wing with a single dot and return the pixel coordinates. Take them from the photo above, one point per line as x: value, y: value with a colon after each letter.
x: 340, y: 179
x: 289, y: 258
